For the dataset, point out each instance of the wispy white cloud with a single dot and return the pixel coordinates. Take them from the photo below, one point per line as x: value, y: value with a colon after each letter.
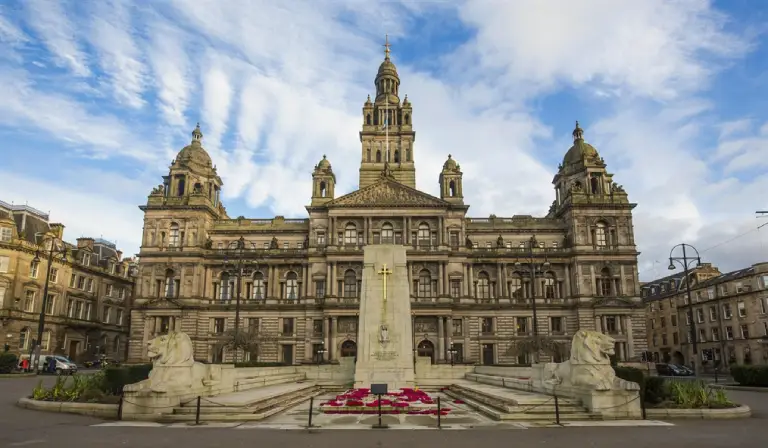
x: 118, y: 54
x: 51, y: 21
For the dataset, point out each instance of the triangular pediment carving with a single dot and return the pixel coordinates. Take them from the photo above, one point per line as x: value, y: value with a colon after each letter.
x: 388, y: 193
x: 162, y: 303
x: 611, y: 302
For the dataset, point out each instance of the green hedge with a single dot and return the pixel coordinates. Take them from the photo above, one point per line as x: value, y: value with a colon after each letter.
x: 653, y: 388
x: 756, y: 376
x: 117, y: 377
x: 8, y: 362
x: 259, y: 364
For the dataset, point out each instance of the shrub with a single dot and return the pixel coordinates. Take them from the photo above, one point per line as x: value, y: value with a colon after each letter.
x: 655, y: 389
x: 750, y: 375
x: 697, y: 395
x: 8, y: 362
x: 630, y: 374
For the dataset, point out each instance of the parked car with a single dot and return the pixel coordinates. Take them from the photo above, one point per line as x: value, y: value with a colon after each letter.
x: 670, y: 370
x: 63, y: 364
x: 686, y: 370
x: 100, y: 362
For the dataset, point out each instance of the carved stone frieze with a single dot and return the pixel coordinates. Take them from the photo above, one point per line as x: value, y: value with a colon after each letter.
x: 387, y: 192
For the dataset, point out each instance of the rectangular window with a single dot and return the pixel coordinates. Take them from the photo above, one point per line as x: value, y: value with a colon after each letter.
x: 70, y: 308
x: 320, y: 288
x: 556, y: 325
x: 87, y: 314
x: 729, y: 333
x: 455, y: 288
x: 108, y: 291
x: 611, y: 325
x: 675, y: 339
x: 80, y: 282
x: 700, y: 315
x: 29, y: 301
x: 702, y: 335
x: 664, y: 340
x: 521, y: 326
x: 487, y: 326
x: 89, y: 285
x: 715, y: 334
x: 54, y: 277
x: 106, y: 314
x: 727, y: 311
x: 742, y: 309
x: 72, y: 281
x: 33, y: 268
x: 317, y: 327
x: 4, y: 263
x: 219, y: 324
x: 119, y: 317
x: 653, y: 324
x: 287, y: 326
x: 78, y: 309
x: 5, y: 234
x: 457, y: 327
x: 712, y: 313
x: 745, y: 332
x: 121, y: 293
x: 50, y: 304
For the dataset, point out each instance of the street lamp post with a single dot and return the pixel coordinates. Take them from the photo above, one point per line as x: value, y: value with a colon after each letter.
x: 41, y: 322
x: 533, y: 266
x: 685, y: 261
x: 320, y: 352
x: 239, y: 264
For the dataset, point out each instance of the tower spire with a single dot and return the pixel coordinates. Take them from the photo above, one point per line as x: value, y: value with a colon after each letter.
x: 578, y: 133
x: 386, y: 47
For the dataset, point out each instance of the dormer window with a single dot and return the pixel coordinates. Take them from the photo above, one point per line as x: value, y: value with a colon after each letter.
x: 6, y: 234
x: 86, y: 261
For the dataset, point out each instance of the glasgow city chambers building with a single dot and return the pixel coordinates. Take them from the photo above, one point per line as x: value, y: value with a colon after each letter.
x: 478, y: 285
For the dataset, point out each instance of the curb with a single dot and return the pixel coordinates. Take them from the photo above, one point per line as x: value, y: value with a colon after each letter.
x: 740, y: 388
x: 100, y: 410
x: 17, y: 375
x: 704, y: 414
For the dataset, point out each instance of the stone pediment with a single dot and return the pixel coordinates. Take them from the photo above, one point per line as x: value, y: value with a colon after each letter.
x: 162, y: 303
x: 612, y: 302
x: 387, y: 193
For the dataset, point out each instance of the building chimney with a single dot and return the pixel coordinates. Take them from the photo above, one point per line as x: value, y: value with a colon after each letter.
x: 85, y: 242
x: 57, y: 229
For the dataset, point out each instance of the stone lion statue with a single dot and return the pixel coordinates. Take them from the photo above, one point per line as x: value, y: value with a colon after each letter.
x: 173, y: 365
x: 590, y: 363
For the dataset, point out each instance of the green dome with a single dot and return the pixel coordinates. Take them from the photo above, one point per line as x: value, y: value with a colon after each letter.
x: 580, y: 150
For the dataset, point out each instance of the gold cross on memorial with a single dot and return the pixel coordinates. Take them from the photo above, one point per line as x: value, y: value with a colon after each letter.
x: 384, y: 272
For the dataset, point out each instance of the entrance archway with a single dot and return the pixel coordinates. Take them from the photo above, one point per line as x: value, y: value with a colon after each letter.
x: 348, y: 349
x: 426, y: 348
x: 678, y: 358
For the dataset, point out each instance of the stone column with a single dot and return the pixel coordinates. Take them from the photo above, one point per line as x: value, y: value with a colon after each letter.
x: 440, y: 277
x: 446, y: 283
x: 448, y: 331
x: 465, y: 332
x: 630, y: 337
x: 503, y: 279
x: 409, y: 266
x: 440, y: 339
x: 334, y: 327
x: 465, y: 282
x: 327, y: 279
x: 327, y: 337
x: 308, y: 340
x: 332, y: 286
x: 366, y: 231
x: 567, y: 281
x: 332, y: 230
x: 305, y: 289
x: 471, y: 282
x: 598, y: 324
x: 440, y: 229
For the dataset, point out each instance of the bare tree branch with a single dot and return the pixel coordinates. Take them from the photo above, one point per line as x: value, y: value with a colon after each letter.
x: 246, y: 339
x: 543, y: 344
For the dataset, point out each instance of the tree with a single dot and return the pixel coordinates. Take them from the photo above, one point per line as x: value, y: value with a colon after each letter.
x: 542, y: 344
x: 246, y: 339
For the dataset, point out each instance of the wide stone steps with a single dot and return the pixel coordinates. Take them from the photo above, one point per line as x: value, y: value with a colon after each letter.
x: 505, y: 404
x: 251, y: 405
x: 243, y: 384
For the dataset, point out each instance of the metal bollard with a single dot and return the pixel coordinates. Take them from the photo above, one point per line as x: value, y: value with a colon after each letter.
x: 197, y: 411
x: 439, y: 414
x: 311, y: 405
x: 120, y: 408
x: 557, y: 411
x: 642, y: 403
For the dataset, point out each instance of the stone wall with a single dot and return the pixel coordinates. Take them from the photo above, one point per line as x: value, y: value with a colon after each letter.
x: 430, y: 375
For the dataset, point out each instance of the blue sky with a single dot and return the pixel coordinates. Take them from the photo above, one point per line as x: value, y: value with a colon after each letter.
x: 99, y: 96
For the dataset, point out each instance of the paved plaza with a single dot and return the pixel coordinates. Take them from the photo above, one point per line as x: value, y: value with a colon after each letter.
x: 25, y: 428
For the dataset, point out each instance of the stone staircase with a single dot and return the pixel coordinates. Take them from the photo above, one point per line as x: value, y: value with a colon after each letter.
x: 501, y: 403
x: 251, y: 405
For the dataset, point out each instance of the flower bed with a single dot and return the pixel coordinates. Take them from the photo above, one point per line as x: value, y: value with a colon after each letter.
x: 404, y: 401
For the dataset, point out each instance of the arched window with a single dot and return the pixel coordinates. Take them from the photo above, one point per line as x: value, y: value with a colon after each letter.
x: 368, y: 155
x: 368, y: 119
x: 173, y: 235
x: 350, y: 283
x: 548, y: 285
x: 483, y: 286
x: 407, y: 118
x: 24, y: 338
x: 116, y: 346
x: 292, y: 286
x: 259, y: 286
x: 605, y: 283
x: 387, y: 234
x: 452, y: 189
x: 171, y: 284
x: 423, y: 236
x: 595, y: 185
x: 397, y: 156
x: 425, y: 283
x: 45, y: 343
x: 599, y: 237
x: 103, y: 344
x: 226, y: 286
x: 322, y: 189
x: 350, y: 234
x: 378, y: 156
x: 516, y: 287
x: 408, y: 155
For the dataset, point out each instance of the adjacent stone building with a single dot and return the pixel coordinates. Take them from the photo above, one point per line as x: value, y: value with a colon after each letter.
x: 729, y: 313
x: 472, y: 280
x: 89, y: 291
